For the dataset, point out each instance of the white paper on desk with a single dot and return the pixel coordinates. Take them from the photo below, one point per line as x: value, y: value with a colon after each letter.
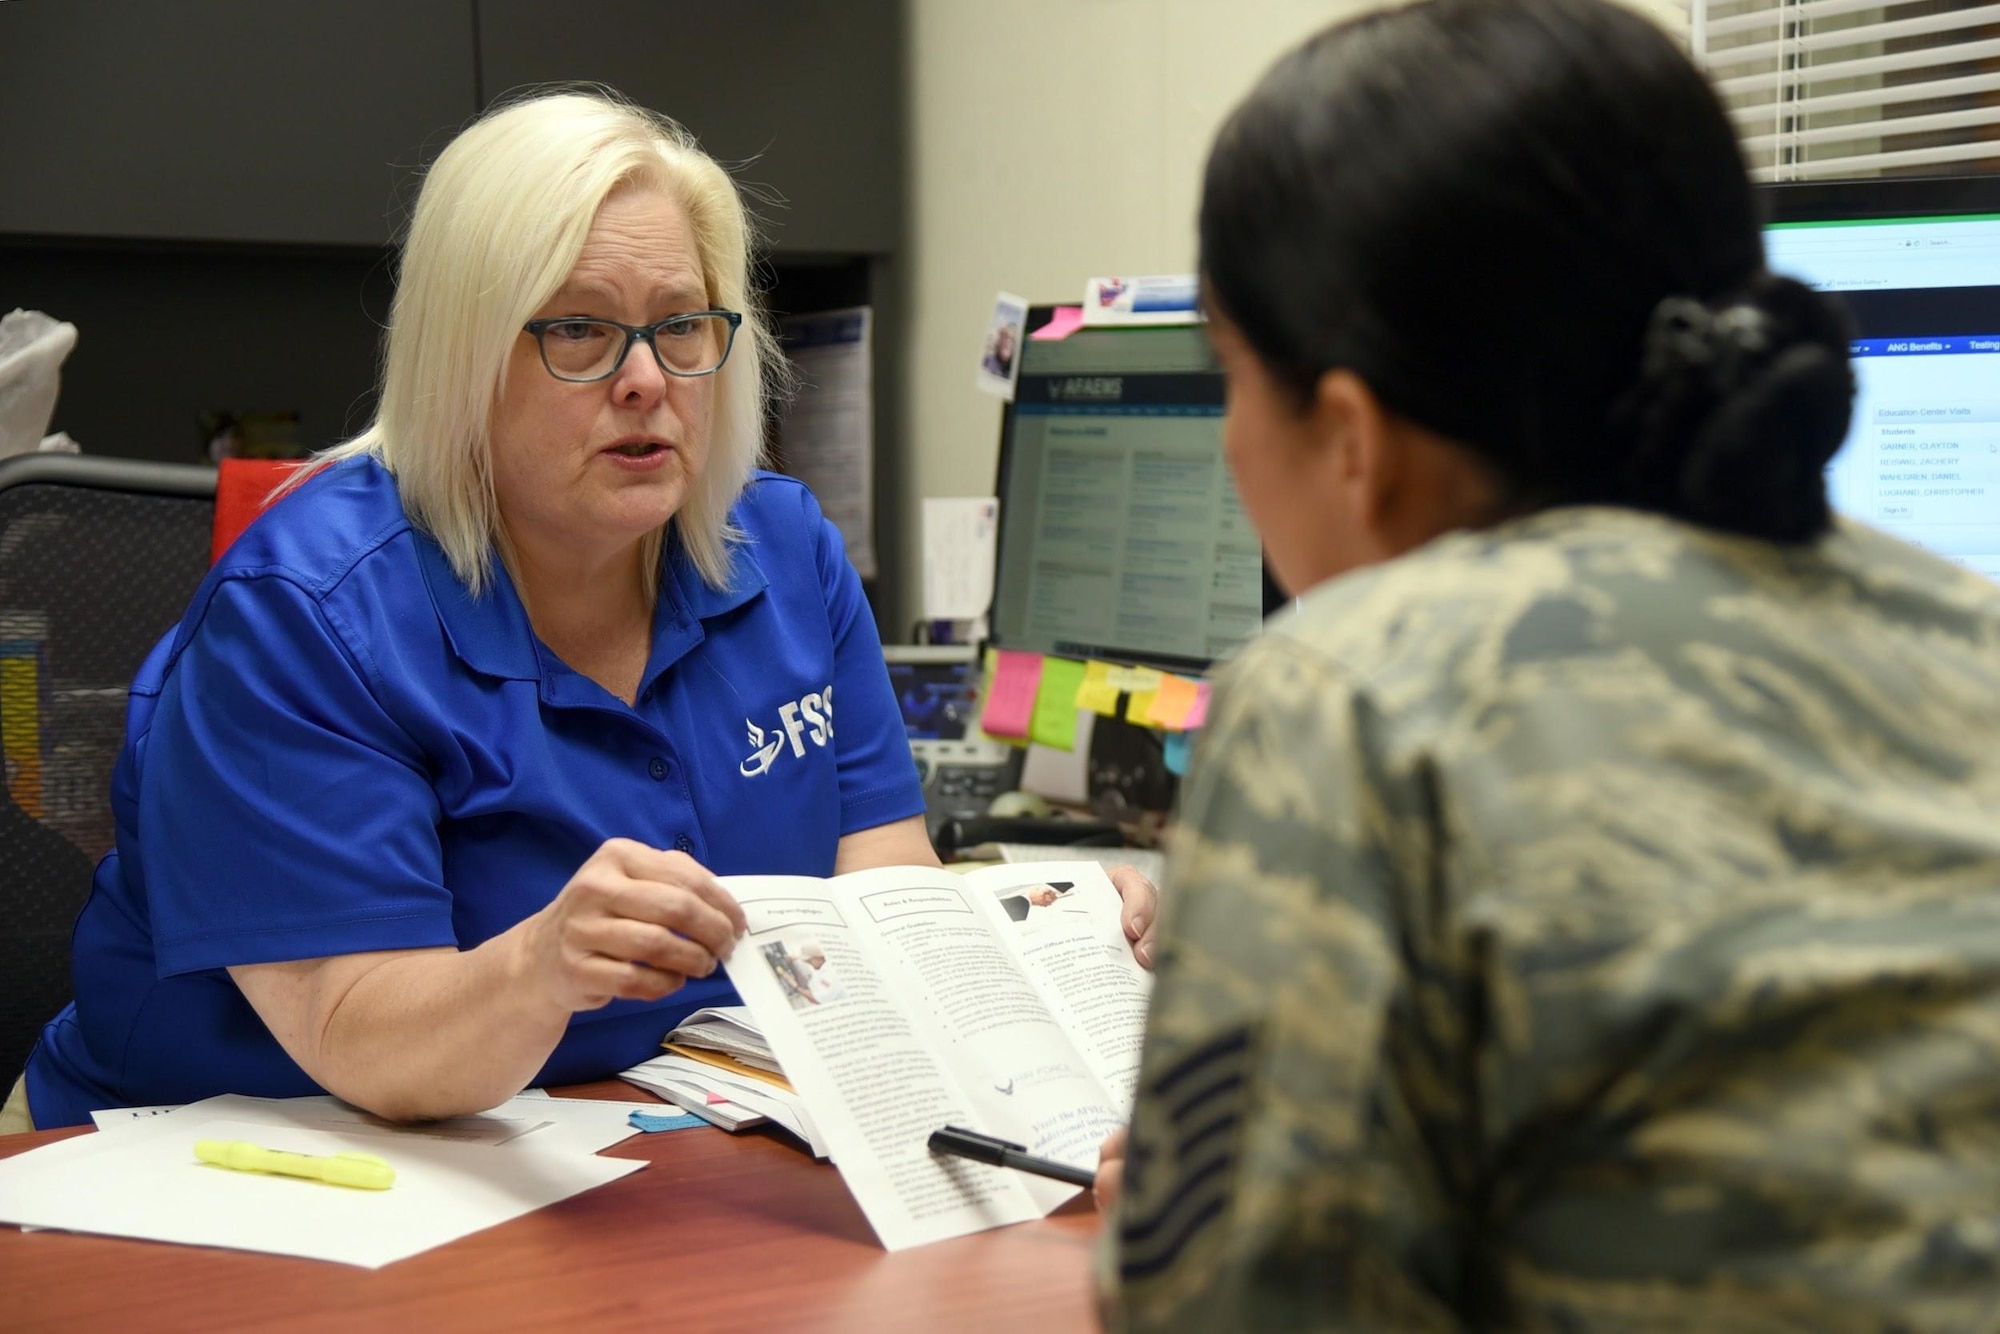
x: 584, y: 1124
x: 321, y: 1112
x: 110, y: 1118
x: 146, y: 1183
x: 577, y: 1124
x: 959, y: 535
x: 77, y: 1146
x: 828, y: 439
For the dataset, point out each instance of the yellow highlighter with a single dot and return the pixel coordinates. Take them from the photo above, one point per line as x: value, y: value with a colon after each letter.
x: 363, y: 1171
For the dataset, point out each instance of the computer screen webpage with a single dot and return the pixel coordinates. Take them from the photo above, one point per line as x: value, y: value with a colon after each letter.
x: 1121, y: 533
x: 1922, y: 459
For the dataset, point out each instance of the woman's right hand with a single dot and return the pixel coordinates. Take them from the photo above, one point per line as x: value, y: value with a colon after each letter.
x: 633, y: 923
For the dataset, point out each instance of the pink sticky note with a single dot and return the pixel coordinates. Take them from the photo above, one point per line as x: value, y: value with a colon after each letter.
x: 1197, y: 714
x: 1011, y: 707
x: 715, y: 1098
x: 1066, y: 321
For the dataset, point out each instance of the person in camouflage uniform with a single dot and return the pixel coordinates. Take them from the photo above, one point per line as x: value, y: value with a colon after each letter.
x: 1587, y: 916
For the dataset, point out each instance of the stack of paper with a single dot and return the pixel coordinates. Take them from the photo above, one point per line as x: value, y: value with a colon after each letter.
x: 138, y: 1175
x: 729, y: 1030
x: 718, y: 1066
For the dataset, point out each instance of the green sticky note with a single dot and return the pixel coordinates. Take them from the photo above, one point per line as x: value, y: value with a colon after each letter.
x: 1054, y: 722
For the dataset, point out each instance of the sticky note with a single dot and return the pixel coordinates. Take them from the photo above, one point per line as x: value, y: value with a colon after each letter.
x: 1197, y: 714
x: 989, y: 664
x: 1172, y: 701
x: 1065, y: 321
x: 1010, y: 703
x: 1054, y: 723
x: 1134, y: 680
x: 653, y: 1121
x: 1139, y: 707
x: 1179, y: 749
x: 1097, y: 694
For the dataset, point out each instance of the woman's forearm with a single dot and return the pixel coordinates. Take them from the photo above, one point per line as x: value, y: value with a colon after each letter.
x: 411, y: 1035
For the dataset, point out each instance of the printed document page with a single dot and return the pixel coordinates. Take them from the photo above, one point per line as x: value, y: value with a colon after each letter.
x: 867, y: 1069
x: 143, y: 1180
x: 902, y: 1000
x: 1069, y: 938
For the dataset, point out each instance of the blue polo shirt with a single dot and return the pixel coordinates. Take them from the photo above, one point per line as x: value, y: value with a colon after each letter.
x: 339, y: 749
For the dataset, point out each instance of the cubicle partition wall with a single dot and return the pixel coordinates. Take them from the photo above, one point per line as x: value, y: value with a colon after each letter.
x: 98, y: 558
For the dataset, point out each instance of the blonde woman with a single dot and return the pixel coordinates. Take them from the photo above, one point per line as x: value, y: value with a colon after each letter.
x: 423, y: 800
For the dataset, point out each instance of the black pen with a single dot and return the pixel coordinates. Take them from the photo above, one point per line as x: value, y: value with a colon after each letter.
x: 986, y: 1149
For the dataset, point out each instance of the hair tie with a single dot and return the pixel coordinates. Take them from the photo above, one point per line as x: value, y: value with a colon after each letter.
x: 1686, y: 335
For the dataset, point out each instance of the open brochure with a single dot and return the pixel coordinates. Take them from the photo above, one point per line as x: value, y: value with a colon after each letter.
x: 905, y: 999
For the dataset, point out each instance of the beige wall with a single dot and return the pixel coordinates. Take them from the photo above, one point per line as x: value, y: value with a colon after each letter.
x: 1052, y: 140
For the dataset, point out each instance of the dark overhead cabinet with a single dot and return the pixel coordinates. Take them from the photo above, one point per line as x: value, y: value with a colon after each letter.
x: 802, y: 97
x: 225, y: 120
x: 302, y: 123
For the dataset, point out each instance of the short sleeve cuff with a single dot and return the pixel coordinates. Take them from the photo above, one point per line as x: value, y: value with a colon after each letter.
x: 880, y: 808
x: 413, y: 929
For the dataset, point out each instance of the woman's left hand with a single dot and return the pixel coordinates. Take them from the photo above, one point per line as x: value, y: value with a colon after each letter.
x: 1110, y: 1171
x: 1142, y: 910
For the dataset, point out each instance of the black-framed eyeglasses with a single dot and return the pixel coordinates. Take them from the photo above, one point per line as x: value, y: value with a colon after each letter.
x: 581, y: 350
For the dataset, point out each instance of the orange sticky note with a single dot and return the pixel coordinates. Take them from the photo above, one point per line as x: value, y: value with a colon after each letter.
x: 1172, y: 701
x: 1010, y: 705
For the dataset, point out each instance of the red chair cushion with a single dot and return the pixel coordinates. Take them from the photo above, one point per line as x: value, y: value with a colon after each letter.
x: 242, y: 488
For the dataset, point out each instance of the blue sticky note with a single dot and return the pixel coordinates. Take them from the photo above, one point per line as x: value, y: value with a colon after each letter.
x: 651, y: 1121
x: 1179, y: 745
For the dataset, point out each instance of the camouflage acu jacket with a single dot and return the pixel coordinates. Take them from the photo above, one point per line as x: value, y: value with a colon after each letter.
x: 1589, y: 924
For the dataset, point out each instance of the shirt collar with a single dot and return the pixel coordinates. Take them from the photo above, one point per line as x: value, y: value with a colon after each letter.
x: 491, y: 634
x: 702, y: 601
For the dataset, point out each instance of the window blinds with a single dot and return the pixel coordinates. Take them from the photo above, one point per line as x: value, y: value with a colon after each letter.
x: 1824, y: 88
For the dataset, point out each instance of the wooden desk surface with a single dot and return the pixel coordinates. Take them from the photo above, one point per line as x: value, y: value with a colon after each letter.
x: 721, y: 1232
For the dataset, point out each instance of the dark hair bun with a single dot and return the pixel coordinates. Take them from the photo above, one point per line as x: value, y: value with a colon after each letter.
x: 1740, y: 405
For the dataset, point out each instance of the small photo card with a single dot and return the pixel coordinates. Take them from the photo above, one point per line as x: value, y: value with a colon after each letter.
x: 1000, y: 353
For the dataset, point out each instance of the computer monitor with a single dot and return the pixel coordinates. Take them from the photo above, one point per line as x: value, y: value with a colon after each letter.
x: 1121, y: 533
x: 937, y: 689
x: 1918, y: 264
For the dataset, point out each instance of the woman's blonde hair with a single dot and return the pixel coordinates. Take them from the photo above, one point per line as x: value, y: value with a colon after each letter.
x: 499, y: 224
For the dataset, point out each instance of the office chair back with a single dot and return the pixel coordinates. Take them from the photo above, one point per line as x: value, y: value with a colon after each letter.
x: 98, y: 559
